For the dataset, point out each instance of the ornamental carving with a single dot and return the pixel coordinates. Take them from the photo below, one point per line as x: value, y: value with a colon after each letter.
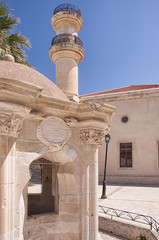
x: 91, y: 136
x: 53, y: 133
x: 10, y: 124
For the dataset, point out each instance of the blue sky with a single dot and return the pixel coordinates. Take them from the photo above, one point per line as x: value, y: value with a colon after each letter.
x: 120, y: 37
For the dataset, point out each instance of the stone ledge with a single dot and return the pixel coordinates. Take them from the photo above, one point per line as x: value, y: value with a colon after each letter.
x: 125, y: 230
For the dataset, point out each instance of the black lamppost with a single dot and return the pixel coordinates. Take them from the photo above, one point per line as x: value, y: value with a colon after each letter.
x: 107, y: 139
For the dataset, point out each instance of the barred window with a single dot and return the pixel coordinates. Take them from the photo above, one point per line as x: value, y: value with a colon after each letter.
x: 125, y: 154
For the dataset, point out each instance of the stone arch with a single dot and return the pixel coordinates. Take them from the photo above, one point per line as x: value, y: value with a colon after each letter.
x: 66, y: 189
x: 65, y: 158
x: 61, y: 159
x: 43, y: 175
x: 23, y: 160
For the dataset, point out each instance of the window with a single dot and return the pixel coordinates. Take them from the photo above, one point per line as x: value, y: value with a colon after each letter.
x: 125, y: 154
x: 42, y: 187
x: 35, y: 183
x: 124, y: 119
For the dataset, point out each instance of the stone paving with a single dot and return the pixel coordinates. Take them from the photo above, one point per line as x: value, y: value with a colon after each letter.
x: 137, y: 199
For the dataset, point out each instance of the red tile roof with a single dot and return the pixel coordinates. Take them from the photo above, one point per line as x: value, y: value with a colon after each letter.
x: 124, y: 89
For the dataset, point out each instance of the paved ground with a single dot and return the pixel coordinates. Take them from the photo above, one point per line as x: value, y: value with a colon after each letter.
x: 105, y: 236
x: 137, y: 199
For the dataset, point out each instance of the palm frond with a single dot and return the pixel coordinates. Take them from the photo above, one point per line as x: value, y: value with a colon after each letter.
x: 19, y: 40
x: 7, y: 22
x: 3, y: 9
x: 11, y: 43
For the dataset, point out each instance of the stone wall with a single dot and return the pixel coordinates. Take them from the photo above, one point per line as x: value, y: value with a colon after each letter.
x: 142, y: 131
x: 125, y: 230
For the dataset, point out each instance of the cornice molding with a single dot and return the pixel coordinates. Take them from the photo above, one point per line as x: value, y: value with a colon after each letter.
x: 121, y: 96
x: 66, y: 50
x: 71, y: 18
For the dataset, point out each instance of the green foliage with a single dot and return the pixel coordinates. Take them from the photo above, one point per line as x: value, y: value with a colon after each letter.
x: 10, y: 42
x: 31, y: 184
x: 142, y: 238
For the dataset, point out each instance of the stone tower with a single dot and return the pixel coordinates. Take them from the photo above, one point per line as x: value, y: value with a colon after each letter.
x: 67, y: 48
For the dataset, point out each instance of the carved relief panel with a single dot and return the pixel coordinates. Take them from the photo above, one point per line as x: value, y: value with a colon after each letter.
x: 10, y: 124
x: 91, y: 136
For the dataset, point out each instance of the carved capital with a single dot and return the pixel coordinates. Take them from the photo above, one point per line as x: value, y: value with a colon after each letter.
x: 10, y: 124
x: 91, y: 136
x: 53, y: 133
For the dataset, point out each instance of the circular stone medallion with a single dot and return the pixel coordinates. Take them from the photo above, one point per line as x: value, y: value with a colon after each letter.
x: 54, y: 133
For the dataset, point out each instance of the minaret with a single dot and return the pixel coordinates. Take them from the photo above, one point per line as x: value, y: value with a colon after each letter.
x: 67, y: 48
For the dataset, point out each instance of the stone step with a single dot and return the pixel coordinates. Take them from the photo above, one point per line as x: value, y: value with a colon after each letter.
x: 109, y: 236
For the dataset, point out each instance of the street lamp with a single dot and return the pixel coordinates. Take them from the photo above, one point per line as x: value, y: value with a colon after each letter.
x: 107, y: 139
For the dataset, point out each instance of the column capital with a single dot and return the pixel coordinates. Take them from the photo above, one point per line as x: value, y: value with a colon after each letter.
x: 10, y: 124
x: 91, y: 135
x: 92, y: 131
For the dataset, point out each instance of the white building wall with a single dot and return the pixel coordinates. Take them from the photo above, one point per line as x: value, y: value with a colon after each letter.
x: 142, y: 129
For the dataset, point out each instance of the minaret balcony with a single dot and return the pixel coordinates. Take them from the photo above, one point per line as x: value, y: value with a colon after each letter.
x: 68, y: 8
x: 64, y: 39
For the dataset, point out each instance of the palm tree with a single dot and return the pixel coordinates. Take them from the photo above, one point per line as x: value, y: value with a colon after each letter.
x: 10, y: 42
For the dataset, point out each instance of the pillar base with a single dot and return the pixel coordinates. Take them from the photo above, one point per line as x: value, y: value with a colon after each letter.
x: 103, y: 196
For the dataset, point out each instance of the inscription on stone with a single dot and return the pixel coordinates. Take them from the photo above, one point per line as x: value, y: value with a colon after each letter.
x: 54, y: 133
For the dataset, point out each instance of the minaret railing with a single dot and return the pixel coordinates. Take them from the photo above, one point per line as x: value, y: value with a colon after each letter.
x: 66, y: 38
x: 67, y: 7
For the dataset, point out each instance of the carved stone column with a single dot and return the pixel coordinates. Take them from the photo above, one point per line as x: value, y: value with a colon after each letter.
x: 92, y: 138
x: 10, y: 125
x: 85, y: 189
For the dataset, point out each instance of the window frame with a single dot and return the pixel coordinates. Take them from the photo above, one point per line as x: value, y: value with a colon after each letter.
x: 126, y: 149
